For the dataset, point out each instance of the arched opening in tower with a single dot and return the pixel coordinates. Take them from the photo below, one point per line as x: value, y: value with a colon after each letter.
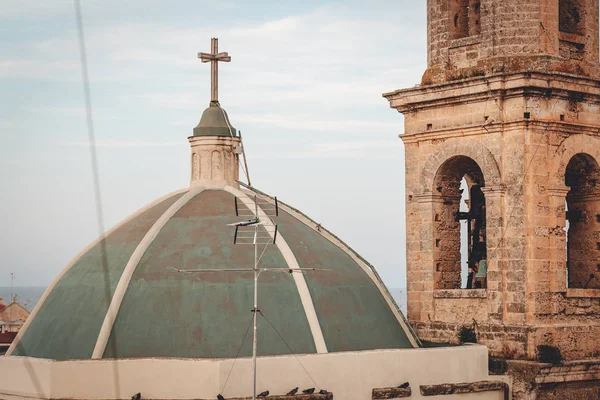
x: 571, y: 15
x: 459, y: 233
x: 464, y: 18
x: 582, y: 176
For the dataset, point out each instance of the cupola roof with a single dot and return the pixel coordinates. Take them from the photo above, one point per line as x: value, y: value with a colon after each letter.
x: 214, y: 122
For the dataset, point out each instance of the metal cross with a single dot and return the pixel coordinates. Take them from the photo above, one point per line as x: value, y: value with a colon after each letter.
x: 214, y: 57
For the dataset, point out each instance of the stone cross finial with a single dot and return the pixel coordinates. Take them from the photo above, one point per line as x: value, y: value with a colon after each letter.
x: 214, y: 57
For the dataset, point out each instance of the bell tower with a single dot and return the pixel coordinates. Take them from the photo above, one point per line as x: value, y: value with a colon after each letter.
x: 502, y: 144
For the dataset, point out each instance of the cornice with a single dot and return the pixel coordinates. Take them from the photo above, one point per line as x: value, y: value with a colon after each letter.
x: 498, y: 87
x: 559, y: 127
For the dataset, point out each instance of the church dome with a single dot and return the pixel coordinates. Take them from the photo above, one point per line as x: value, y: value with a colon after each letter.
x: 126, y: 296
x: 141, y: 307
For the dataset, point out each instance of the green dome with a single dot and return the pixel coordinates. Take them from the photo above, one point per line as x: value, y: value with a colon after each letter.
x: 214, y: 122
x: 163, y: 313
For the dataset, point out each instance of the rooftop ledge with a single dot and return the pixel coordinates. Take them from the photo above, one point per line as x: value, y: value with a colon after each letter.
x: 586, y: 293
x: 498, y: 82
x: 460, y: 293
x: 465, y: 41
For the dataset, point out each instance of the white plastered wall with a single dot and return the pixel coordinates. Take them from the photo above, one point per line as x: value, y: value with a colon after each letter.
x: 350, y: 375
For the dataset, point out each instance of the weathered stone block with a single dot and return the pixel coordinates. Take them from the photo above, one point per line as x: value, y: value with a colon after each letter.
x: 391, y: 393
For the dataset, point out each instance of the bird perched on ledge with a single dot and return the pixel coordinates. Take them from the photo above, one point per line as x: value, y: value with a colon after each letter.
x: 292, y: 392
x: 263, y: 394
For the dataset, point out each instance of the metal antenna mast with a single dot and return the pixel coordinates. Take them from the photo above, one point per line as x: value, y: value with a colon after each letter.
x: 258, y: 231
x: 12, y: 286
x: 12, y: 300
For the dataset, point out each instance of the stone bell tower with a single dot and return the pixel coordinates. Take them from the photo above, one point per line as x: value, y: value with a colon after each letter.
x: 502, y: 143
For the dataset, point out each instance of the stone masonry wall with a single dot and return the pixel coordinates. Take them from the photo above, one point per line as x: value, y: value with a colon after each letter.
x: 521, y: 130
x: 512, y: 35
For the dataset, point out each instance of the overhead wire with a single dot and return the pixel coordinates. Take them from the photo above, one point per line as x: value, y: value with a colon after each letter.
x: 96, y: 182
x: 95, y: 175
x: 241, y: 141
x: 237, y: 354
x: 290, y: 349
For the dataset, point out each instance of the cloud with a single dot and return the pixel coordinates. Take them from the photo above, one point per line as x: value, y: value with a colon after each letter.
x: 378, y: 149
x: 280, y: 26
x: 123, y: 144
x: 319, y: 72
x: 181, y: 123
x: 38, y: 68
x: 303, y: 122
x: 178, y: 101
x: 33, y: 8
x: 306, y: 123
x: 55, y: 110
x: 98, y: 114
x: 6, y: 125
x: 286, y: 56
x: 328, y: 148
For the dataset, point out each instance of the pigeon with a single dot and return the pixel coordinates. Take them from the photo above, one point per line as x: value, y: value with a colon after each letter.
x: 404, y: 385
x: 137, y: 396
x: 308, y: 391
x: 323, y: 391
x: 219, y: 397
x: 263, y: 394
x: 292, y: 392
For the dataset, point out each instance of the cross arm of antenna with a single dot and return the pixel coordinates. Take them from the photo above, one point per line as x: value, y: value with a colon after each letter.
x: 250, y: 222
x: 289, y: 270
x: 293, y: 269
x: 184, y: 271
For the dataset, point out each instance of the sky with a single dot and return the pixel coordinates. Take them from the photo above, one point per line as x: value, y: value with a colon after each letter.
x: 304, y: 87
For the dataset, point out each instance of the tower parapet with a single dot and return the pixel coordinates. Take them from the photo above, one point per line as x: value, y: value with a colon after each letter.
x: 468, y: 38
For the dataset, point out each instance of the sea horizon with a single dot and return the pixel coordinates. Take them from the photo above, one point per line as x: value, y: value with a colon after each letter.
x: 28, y: 296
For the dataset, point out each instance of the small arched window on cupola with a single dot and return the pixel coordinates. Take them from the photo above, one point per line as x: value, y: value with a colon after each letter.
x: 464, y: 18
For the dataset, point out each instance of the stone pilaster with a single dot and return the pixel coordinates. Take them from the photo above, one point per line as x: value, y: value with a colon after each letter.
x: 496, y: 275
x: 421, y: 256
x: 557, y: 196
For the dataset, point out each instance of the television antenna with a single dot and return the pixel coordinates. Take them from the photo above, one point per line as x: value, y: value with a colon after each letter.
x: 260, y: 231
x: 12, y: 286
x: 12, y: 300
